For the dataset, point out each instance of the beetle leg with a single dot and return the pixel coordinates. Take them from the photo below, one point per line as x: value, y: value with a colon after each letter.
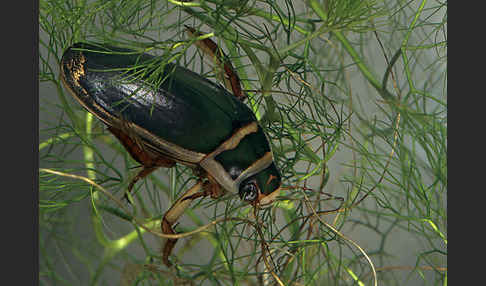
x: 230, y: 78
x: 149, y: 160
x: 140, y: 175
x: 173, y: 214
x: 209, y: 188
x: 212, y: 188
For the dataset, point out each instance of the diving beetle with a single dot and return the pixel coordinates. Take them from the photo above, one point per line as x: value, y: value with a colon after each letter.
x: 169, y: 115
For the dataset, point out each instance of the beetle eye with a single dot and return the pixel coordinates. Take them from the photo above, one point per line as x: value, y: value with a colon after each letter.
x: 248, y: 192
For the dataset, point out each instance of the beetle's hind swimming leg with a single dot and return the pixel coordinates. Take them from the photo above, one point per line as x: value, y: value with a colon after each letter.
x: 228, y: 76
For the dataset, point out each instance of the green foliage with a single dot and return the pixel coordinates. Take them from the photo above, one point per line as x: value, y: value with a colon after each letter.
x: 352, y: 95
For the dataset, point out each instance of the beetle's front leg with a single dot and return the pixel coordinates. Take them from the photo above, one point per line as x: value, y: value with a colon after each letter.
x: 172, y: 215
x: 208, y: 188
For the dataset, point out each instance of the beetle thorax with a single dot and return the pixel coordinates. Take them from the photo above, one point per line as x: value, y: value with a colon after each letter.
x: 226, y: 164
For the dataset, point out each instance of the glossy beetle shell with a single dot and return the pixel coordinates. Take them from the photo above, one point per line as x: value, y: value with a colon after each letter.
x: 173, y: 110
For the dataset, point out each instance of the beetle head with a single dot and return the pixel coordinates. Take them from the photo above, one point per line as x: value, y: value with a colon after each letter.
x: 261, y: 188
